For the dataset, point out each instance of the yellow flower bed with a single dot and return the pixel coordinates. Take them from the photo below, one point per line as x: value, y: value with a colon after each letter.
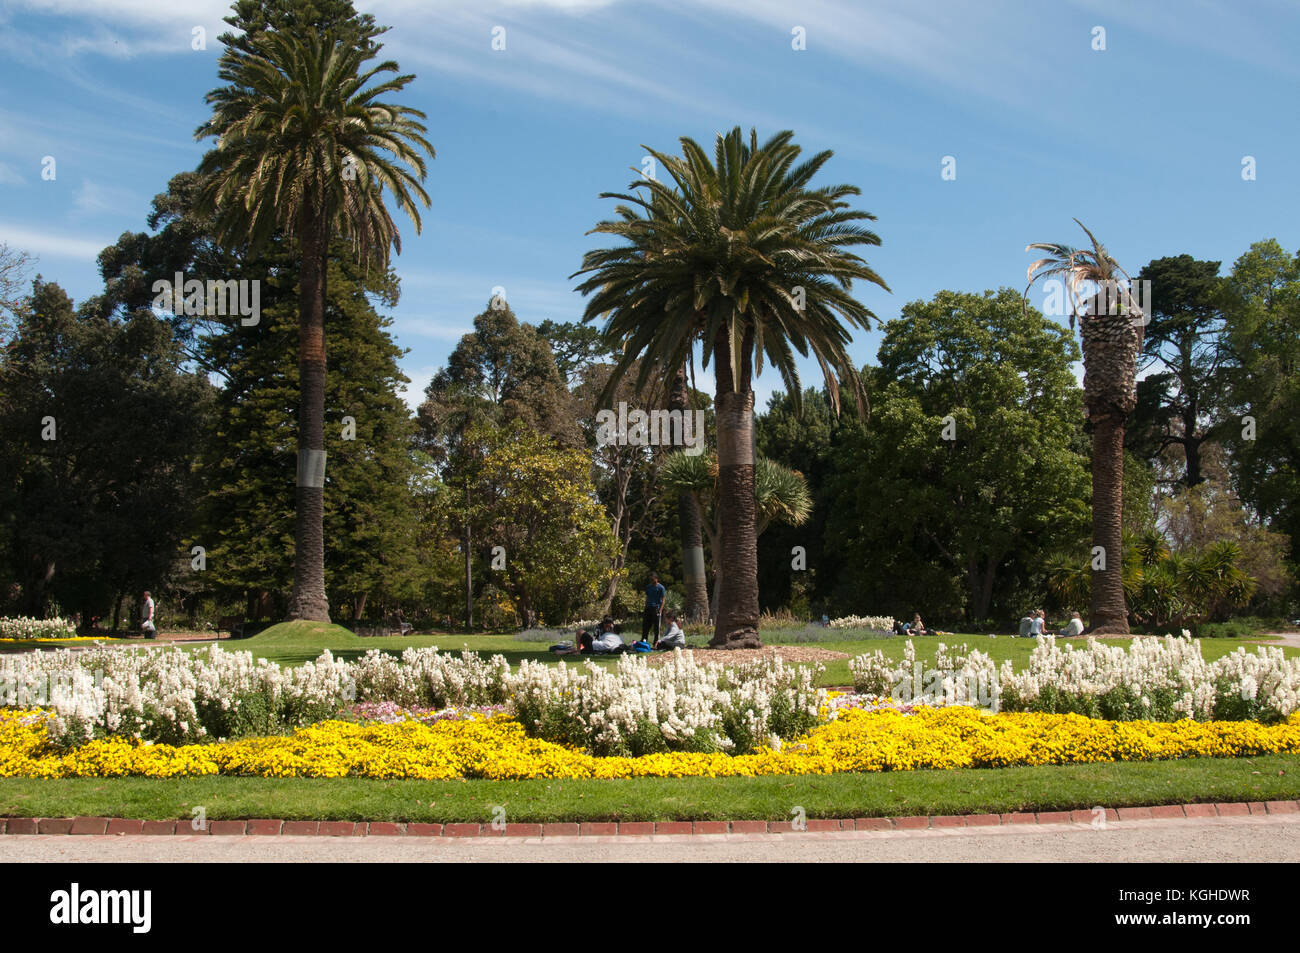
x: 497, y: 748
x: 61, y: 639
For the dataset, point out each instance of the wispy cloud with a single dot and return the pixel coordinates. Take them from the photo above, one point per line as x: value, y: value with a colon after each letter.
x: 92, y: 198
x: 52, y: 244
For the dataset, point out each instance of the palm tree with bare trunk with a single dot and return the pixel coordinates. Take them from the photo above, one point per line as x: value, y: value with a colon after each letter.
x: 740, y: 254
x: 1110, y: 324
x: 305, y: 150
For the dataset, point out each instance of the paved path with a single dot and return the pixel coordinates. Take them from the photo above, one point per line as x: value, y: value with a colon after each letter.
x: 1281, y: 638
x: 1255, y: 838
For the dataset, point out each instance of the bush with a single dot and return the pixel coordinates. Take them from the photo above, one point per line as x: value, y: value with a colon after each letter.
x: 1234, y: 629
x: 25, y: 628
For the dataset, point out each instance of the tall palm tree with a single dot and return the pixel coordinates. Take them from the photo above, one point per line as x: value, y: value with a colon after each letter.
x: 1110, y: 324
x: 305, y: 149
x: 742, y: 255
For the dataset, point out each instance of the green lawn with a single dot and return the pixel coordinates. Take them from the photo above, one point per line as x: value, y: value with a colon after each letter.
x: 292, y: 645
x: 1275, y: 777
x: 295, y: 643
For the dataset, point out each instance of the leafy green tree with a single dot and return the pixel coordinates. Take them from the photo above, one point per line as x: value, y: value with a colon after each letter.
x: 535, y: 501
x: 501, y: 371
x: 15, y: 264
x: 1180, y: 399
x: 970, y: 470
x: 576, y: 348
x: 808, y: 440
x: 743, y: 255
x: 97, y: 490
x: 1262, y: 309
x: 305, y: 148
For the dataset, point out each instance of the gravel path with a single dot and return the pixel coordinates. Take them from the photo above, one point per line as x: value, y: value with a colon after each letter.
x: 1274, y: 839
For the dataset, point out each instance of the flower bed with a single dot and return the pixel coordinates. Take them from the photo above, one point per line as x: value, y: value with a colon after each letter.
x: 176, y: 697
x: 23, y: 629
x: 1154, y: 679
x: 498, y: 747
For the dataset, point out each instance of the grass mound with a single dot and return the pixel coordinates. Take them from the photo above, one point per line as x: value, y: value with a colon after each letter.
x: 306, y: 634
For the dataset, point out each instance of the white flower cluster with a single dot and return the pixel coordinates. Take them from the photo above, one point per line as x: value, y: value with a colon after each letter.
x: 638, y: 708
x: 957, y: 677
x: 424, y: 678
x: 877, y: 623
x: 170, y: 694
x: 1160, y: 679
x: 25, y: 628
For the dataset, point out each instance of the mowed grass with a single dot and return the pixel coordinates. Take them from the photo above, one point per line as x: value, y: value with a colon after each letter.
x: 297, y: 642
x: 899, y: 793
x: 292, y: 643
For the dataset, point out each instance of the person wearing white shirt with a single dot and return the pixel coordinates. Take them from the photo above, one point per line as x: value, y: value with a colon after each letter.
x: 1074, y: 627
x: 604, y: 642
x: 146, y: 617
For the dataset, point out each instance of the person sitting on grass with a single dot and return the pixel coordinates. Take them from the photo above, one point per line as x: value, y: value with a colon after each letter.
x: 916, y: 626
x: 604, y: 642
x: 1040, y: 621
x: 1074, y: 627
x: 674, y: 638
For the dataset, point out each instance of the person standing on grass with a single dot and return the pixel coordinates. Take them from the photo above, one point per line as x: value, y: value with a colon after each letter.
x: 146, y: 617
x: 654, y: 608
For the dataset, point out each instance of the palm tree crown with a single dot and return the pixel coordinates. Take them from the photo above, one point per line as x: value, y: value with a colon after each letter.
x: 737, y: 251
x: 302, y: 142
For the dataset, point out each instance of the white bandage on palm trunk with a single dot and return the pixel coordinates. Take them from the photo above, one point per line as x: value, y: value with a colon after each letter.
x: 311, y: 468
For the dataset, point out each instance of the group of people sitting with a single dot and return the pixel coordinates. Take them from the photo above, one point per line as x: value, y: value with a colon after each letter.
x: 1034, y: 625
x: 607, y: 639
x: 915, y: 627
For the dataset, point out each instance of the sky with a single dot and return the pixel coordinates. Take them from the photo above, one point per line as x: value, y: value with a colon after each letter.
x: 1135, y: 116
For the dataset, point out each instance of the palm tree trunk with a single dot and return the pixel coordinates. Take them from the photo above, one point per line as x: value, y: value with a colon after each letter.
x: 695, y: 590
x: 737, y: 620
x: 309, y: 600
x: 1109, y: 610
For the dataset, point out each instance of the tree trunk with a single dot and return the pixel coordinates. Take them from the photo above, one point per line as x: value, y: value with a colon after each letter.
x: 1111, y: 342
x: 469, y: 570
x: 736, y: 625
x: 309, y: 600
x: 359, y: 607
x: 695, y: 590
x: 1109, y: 611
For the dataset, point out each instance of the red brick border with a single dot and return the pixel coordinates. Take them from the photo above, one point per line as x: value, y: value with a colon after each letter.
x: 118, y: 826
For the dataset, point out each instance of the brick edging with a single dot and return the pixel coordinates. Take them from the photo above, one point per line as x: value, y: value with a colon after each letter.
x: 275, y: 826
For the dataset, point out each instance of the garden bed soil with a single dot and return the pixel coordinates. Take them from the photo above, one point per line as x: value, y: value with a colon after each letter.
x: 790, y: 653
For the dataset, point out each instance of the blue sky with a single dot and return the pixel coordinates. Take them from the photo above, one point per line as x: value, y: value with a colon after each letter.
x: 1143, y: 140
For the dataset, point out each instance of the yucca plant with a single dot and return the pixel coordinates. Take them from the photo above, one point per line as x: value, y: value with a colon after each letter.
x: 306, y: 149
